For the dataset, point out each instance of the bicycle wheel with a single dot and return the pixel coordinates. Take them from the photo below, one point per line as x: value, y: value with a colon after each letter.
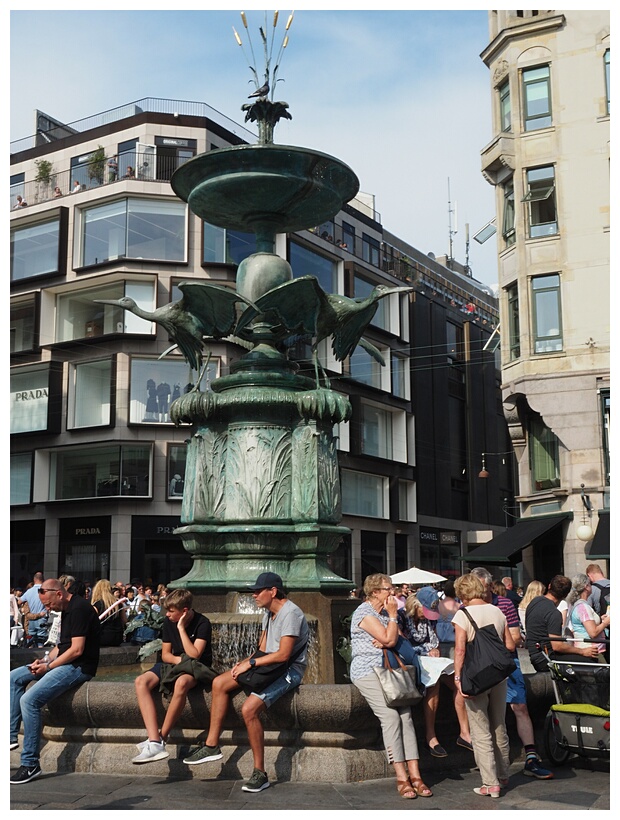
x: 557, y: 754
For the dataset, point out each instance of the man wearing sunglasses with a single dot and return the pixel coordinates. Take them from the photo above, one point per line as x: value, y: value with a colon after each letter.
x: 73, y: 661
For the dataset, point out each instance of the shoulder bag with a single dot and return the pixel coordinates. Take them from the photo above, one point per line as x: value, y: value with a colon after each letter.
x: 400, y: 685
x: 487, y: 661
x: 258, y: 678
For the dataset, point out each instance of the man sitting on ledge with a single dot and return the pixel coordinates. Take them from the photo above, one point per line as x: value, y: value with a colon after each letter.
x: 72, y: 662
x: 283, y: 644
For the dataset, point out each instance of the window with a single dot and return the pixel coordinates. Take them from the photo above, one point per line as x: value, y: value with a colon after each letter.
x: 371, y: 249
x: 362, y: 289
x: 544, y: 454
x: 35, y: 250
x: 91, y: 394
x: 156, y: 383
x: 30, y: 393
x: 607, y: 78
x: 508, y: 220
x: 406, y: 501
x: 514, y: 337
x: 17, y: 187
x: 363, y: 494
x: 134, y: 228
x: 504, y: 106
x: 126, y: 157
x: 606, y: 419
x: 363, y: 368
x: 220, y: 245
x: 177, y: 454
x: 540, y: 196
x: 103, y: 471
x: 376, y: 439
x: 78, y: 316
x: 305, y: 262
x: 21, y: 478
x: 22, y: 324
x: 536, y: 98
x: 348, y: 236
x: 455, y: 344
x: 546, y: 313
x: 400, y: 376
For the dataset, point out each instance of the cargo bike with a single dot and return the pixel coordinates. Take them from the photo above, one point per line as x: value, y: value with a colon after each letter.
x: 578, y: 721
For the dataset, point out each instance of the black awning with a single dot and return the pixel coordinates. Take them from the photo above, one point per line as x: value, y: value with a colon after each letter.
x: 506, y: 547
x: 599, y: 546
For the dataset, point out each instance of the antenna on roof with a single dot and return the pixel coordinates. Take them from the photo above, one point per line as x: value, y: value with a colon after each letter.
x: 451, y: 231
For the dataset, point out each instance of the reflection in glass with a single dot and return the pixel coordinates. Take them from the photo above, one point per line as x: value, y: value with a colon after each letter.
x: 34, y: 250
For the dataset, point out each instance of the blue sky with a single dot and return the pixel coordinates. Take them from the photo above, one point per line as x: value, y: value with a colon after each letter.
x: 400, y: 96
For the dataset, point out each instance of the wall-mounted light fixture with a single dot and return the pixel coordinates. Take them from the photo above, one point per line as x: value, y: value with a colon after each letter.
x: 484, y: 473
x: 584, y: 530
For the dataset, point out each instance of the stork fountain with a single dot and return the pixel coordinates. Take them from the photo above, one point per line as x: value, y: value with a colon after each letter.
x: 262, y: 488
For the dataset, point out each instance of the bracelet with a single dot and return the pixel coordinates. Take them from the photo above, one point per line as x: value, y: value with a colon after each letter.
x: 457, y: 678
x: 394, y: 620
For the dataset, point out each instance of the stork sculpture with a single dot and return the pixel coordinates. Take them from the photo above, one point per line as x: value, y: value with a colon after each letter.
x: 205, y: 310
x: 301, y: 307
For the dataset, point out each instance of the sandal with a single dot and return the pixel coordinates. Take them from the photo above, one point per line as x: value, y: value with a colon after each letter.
x: 488, y: 791
x: 421, y: 789
x: 406, y: 789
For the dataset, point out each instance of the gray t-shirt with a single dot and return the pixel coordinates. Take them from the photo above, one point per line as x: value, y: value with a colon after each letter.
x: 289, y: 621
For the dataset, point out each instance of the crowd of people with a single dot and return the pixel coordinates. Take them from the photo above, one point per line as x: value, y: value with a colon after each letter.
x: 389, y: 624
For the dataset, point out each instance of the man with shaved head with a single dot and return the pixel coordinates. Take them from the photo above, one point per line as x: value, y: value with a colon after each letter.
x: 73, y: 661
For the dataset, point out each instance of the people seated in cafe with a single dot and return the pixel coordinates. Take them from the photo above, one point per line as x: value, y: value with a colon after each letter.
x: 20, y: 203
x: 130, y: 173
x: 57, y: 192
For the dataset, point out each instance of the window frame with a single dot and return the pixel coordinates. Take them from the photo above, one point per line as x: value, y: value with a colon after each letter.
x: 543, y: 452
x: 538, y: 289
x: 73, y: 394
x: 509, y: 234
x: 24, y: 457
x: 541, y: 192
x: 505, y: 108
x: 606, y: 64
x: 60, y: 216
x: 381, y: 497
x: 514, y: 331
x: 530, y: 121
x: 223, y: 236
x: 171, y: 492
x: 23, y: 303
x: 53, y: 384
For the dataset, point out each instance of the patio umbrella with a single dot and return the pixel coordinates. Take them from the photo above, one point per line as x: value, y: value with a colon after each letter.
x: 415, y: 575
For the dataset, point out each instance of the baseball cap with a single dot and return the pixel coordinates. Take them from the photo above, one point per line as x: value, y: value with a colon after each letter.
x: 429, y: 598
x: 266, y: 580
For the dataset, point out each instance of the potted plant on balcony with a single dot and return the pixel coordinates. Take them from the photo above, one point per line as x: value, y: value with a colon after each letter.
x: 96, y: 165
x: 44, y: 177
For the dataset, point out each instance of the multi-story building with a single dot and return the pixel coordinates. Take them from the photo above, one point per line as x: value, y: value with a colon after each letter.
x: 549, y: 163
x: 97, y: 466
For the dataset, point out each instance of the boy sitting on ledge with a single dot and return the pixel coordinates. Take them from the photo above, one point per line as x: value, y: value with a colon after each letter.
x: 186, y: 659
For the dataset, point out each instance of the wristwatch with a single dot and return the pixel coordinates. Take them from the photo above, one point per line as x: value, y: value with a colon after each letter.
x: 457, y: 678
x: 252, y: 662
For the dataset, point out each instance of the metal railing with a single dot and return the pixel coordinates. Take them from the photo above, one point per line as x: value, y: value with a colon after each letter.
x: 155, y: 105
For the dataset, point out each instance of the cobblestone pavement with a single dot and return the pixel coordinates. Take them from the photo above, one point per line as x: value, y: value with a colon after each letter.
x: 578, y: 785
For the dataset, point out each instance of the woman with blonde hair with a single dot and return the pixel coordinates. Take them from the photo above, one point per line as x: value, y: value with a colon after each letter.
x: 534, y: 590
x: 582, y: 621
x: 374, y: 625
x: 113, y: 627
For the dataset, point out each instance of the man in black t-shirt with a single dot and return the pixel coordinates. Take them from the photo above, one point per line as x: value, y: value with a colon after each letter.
x: 72, y: 662
x: 543, y: 620
x: 186, y: 644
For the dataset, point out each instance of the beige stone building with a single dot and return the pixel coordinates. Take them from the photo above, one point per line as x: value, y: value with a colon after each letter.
x: 549, y: 162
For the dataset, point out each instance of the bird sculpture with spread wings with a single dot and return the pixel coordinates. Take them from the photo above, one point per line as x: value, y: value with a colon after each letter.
x: 301, y: 307
x: 205, y: 310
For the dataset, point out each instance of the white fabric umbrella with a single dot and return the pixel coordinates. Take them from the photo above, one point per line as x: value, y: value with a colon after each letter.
x: 415, y: 575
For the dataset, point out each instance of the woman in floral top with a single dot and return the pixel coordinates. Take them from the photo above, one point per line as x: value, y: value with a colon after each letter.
x: 582, y: 620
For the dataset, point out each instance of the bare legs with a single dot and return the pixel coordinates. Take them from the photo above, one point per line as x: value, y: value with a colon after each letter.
x: 144, y: 686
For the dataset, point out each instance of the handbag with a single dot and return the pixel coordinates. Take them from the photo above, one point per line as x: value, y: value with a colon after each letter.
x: 487, y: 661
x: 258, y: 678
x: 400, y: 685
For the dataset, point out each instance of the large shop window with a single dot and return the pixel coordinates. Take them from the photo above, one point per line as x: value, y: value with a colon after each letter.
x: 363, y: 494
x: 91, y: 394
x: 156, y: 383
x: 546, y: 314
x: 99, y: 472
x: 79, y: 316
x: 21, y: 478
x: 135, y: 229
x: 23, y: 324
x: 536, y: 98
x: 35, y: 396
x: 221, y: 245
x: 305, y: 262
x: 35, y: 250
x: 177, y: 457
x: 544, y: 450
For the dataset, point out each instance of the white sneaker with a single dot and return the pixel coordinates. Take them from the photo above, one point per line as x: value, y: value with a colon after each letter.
x: 140, y: 746
x: 152, y: 751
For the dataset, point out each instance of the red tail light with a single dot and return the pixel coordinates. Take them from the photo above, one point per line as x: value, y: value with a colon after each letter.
x: 606, y: 725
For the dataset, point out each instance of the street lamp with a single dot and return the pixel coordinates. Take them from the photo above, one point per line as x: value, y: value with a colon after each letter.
x: 484, y: 473
x: 584, y: 530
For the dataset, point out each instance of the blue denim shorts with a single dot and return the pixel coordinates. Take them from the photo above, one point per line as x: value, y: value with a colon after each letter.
x: 290, y: 680
x: 516, y: 686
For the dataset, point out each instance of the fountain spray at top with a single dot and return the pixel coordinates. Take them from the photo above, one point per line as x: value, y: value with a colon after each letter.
x: 265, y: 111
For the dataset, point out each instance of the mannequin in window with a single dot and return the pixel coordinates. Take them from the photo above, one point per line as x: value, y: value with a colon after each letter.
x: 163, y: 399
x: 176, y: 485
x: 152, y: 408
x: 176, y: 393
